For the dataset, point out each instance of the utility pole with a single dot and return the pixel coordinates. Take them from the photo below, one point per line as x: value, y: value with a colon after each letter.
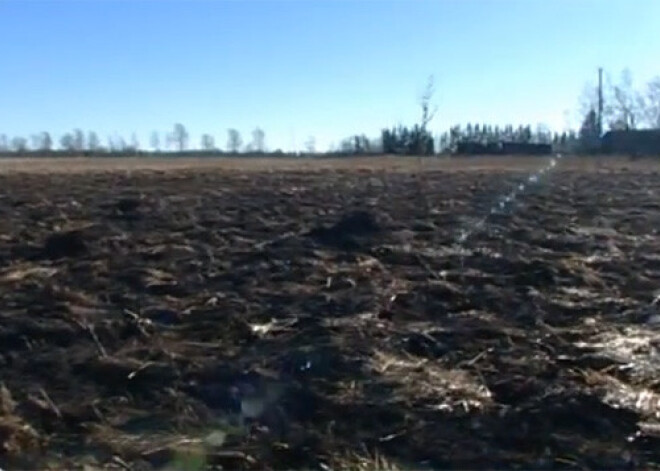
x: 600, y: 102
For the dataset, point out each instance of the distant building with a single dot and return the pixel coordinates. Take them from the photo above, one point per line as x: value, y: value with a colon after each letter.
x: 633, y: 142
x: 503, y: 148
x: 526, y: 148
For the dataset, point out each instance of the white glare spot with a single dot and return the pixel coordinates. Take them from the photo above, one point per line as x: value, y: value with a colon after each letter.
x: 504, y: 200
x: 216, y: 438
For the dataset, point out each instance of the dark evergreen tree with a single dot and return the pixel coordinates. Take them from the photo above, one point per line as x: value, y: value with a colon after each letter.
x: 589, y: 136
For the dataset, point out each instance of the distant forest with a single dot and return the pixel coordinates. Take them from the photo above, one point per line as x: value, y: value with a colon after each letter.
x: 622, y: 107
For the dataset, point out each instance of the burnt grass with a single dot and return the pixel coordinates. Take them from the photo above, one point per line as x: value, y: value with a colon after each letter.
x: 142, y: 312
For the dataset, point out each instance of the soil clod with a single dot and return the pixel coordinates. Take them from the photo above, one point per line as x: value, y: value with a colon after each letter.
x: 351, y: 231
x: 64, y: 244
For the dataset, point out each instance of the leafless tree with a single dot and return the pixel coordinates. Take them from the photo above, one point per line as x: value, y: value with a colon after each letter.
x: 42, y: 142
x: 4, y: 145
x: 78, y: 140
x: 310, y: 145
x: 234, y: 141
x: 117, y: 144
x: 428, y: 113
x: 652, y: 109
x: 626, y: 105
x: 67, y: 142
x: 120, y: 144
x: 543, y: 134
x: 46, y: 141
x: 19, y: 144
x: 258, y: 140
x: 155, y: 141
x: 135, y: 143
x: 179, y: 137
x: 424, y: 140
x: 428, y: 110
x: 207, y: 142
x: 93, y: 142
x: 347, y: 146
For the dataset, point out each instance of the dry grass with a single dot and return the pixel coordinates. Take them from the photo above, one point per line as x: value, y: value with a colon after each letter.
x: 379, y: 163
x: 421, y: 381
x: 362, y: 462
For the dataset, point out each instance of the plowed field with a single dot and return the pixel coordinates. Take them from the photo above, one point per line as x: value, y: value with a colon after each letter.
x: 322, y: 315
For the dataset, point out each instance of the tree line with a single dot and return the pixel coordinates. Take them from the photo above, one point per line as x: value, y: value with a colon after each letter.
x: 625, y: 107
x: 400, y: 139
x: 177, y: 140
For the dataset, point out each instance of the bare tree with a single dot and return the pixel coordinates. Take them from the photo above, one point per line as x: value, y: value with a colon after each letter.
x: 234, y: 140
x: 46, y: 141
x: 543, y: 135
x: 67, y: 142
x: 179, y: 137
x: 120, y: 144
x: 19, y: 144
x: 428, y: 113
x: 207, y: 142
x: 42, y: 142
x: 155, y: 141
x: 117, y: 144
x: 4, y: 145
x: 626, y: 104
x: 93, y: 142
x: 346, y: 146
x: 258, y: 140
x: 652, y: 109
x: 78, y: 140
x: 310, y: 145
x: 135, y: 143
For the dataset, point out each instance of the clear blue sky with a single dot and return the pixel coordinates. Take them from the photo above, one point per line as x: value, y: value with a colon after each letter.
x: 309, y: 67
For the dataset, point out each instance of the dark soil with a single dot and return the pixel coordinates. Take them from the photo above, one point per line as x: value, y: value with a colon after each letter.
x: 329, y: 320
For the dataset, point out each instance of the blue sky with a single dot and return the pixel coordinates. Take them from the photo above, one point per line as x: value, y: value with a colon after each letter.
x: 309, y: 67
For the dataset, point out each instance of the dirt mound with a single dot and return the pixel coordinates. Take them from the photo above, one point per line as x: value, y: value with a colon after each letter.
x: 351, y: 231
x: 64, y: 244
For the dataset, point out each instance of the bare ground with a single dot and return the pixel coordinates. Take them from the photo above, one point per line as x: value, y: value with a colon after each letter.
x: 278, y: 314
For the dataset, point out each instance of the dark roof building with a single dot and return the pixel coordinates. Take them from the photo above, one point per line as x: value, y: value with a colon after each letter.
x: 636, y: 142
x: 503, y: 148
